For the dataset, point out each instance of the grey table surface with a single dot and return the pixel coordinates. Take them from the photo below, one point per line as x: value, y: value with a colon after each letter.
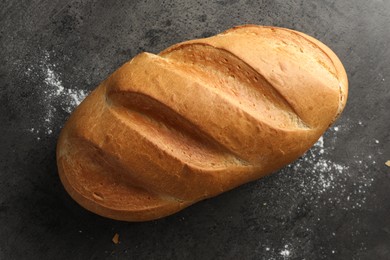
x: 333, y: 203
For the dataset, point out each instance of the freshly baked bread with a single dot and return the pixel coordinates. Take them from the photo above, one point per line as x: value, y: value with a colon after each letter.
x: 200, y: 118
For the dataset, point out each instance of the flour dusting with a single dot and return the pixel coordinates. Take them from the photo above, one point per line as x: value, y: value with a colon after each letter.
x: 315, y: 182
x: 285, y: 252
x: 320, y: 176
x: 53, y: 80
x: 54, y: 96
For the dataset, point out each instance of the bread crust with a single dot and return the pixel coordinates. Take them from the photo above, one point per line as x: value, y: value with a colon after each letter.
x: 200, y: 118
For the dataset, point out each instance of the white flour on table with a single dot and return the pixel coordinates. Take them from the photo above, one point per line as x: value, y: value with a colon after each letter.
x: 319, y: 182
x: 54, y: 95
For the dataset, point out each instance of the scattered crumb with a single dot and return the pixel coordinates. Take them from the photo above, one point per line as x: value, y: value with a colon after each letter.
x: 388, y: 163
x: 377, y: 141
x: 115, y: 238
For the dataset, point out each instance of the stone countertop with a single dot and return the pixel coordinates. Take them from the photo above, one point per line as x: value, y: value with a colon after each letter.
x: 333, y: 203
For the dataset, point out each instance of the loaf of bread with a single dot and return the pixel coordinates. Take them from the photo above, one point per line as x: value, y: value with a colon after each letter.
x: 200, y: 118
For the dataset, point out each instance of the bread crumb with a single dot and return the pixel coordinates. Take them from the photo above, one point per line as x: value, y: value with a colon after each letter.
x: 387, y: 163
x: 115, y: 238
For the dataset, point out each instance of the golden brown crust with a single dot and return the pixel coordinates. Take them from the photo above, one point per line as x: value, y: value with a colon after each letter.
x: 202, y: 117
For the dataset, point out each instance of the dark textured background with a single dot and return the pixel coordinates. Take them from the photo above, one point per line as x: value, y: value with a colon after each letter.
x: 333, y: 203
